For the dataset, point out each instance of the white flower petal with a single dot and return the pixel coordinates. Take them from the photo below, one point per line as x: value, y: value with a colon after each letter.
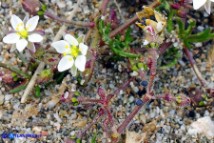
x: 74, y: 71
x: 198, y: 4
x: 65, y: 63
x: 80, y: 63
x: 61, y: 46
x: 212, y: 0
x: 11, y: 38
x: 83, y: 48
x: 35, y: 37
x: 32, y: 23
x: 21, y: 45
x: 159, y: 26
x: 16, y: 23
x: 26, y: 18
x: 146, y: 42
x: 207, y: 6
x: 71, y: 40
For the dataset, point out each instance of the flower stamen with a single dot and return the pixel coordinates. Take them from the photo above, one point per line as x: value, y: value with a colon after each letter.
x: 23, y: 33
x: 75, y: 51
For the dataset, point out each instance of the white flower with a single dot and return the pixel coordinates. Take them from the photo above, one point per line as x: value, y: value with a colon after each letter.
x: 23, y: 33
x: 74, y: 54
x: 206, y: 3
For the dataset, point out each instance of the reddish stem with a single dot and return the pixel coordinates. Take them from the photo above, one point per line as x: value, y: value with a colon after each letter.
x: 84, y: 100
x: 82, y: 133
x: 122, y: 87
x: 130, y: 21
x: 104, y: 6
x: 194, y: 66
x: 146, y: 99
x: 77, y: 23
x: 124, y: 26
x: 164, y: 47
x: 128, y: 119
x: 152, y: 64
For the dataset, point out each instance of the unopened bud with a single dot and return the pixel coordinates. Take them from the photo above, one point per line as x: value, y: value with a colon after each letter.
x: 182, y: 13
x: 31, y: 6
x: 175, y: 6
x: 45, y: 76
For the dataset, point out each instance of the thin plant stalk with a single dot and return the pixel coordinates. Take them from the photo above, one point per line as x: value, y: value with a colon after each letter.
x: 15, y: 70
x: 77, y: 23
x: 129, y: 118
x: 163, y: 47
x: 32, y: 82
x: 194, y: 66
x: 82, y: 133
x: 131, y: 21
x: 124, y: 86
x: 104, y: 6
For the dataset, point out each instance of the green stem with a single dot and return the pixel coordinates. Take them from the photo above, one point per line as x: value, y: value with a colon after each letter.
x: 18, y: 89
x: 15, y: 70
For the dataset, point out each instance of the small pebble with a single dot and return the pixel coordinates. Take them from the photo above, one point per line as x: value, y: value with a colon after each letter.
x: 139, y: 102
x: 144, y: 83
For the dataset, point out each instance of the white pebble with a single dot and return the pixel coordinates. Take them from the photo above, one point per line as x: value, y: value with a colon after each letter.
x: 200, y: 28
x: 203, y: 126
x: 8, y: 97
x: 199, y: 44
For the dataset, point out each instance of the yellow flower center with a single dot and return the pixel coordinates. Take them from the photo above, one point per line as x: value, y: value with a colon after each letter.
x: 75, y: 51
x: 23, y: 33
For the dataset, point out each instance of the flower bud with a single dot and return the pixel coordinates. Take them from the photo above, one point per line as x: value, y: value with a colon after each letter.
x: 45, y: 76
x: 175, y: 6
x: 182, y: 13
x: 31, y: 6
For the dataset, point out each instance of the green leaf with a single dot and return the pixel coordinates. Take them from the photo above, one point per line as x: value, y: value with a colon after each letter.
x: 104, y: 31
x: 37, y: 91
x: 116, y: 44
x: 200, y: 37
x: 201, y: 103
x: 181, y: 27
x: 171, y: 57
x: 128, y: 37
x: 78, y: 141
x: 17, y: 89
x: 44, y: 7
x: 190, y: 27
x: 170, y: 21
x: 101, y: 26
x: 74, y: 101
x: 124, y: 54
x: 187, y: 44
x: 93, y: 140
x: 40, y: 13
x: 163, y: 6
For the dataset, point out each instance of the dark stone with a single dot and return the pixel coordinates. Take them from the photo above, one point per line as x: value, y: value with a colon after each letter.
x: 144, y: 83
x: 192, y: 114
x: 141, y: 92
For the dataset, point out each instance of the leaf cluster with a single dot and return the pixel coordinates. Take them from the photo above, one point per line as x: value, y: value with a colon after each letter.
x: 169, y: 60
x: 185, y: 34
x: 119, y: 44
x: 42, y: 10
